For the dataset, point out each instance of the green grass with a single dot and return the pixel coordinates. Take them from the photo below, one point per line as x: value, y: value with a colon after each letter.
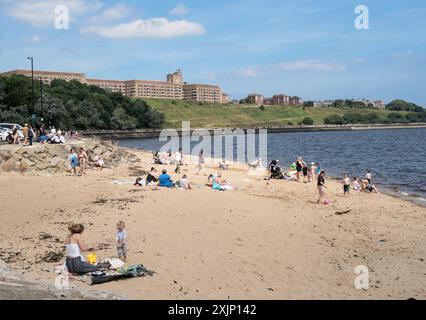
x: 221, y: 116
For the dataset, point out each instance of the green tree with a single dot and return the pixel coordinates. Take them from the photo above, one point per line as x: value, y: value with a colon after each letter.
x: 334, y: 119
x: 402, y: 105
x: 308, y: 121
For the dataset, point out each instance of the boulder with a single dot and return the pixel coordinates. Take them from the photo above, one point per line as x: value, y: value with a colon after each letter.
x: 8, y: 165
x: 55, y: 162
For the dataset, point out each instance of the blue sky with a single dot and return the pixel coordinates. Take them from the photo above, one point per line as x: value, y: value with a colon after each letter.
x: 307, y: 48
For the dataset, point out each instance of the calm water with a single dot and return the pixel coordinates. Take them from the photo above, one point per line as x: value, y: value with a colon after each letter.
x: 397, y: 157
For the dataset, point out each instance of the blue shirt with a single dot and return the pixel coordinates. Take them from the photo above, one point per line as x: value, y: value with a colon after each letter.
x: 165, y: 181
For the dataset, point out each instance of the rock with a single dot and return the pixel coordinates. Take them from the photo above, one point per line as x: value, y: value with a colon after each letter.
x: 27, y: 162
x: 9, y: 165
x: 41, y: 166
x: 56, y: 161
x: 3, y: 266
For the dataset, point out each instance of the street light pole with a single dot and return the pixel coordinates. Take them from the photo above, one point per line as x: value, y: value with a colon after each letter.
x: 32, y: 81
x: 41, y: 100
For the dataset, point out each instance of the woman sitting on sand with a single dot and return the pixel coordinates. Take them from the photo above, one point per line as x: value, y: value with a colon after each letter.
x: 184, y: 183
x: 152, y: 177
x: 165, y: 180
x: 74, y: 246
x: 220, y: 184
x: 355, y: 184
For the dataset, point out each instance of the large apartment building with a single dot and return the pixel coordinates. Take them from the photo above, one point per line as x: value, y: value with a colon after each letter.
x: 255, y: 98
x: 174, y: 88
x: 283, y: 100
x: 48, y: 76
x: 202, y: 93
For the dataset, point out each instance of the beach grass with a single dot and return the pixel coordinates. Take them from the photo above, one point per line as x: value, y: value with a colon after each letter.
x: 216, y: 115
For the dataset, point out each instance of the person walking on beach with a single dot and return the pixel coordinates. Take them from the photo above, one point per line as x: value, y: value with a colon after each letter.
x: 25, y: 133
x: 178, y: 160
x: 321, y: 187
x: 201, y: 162
x: 299, y: 168
x: 121, y: 241
x: 346, y: 185
x: 30, y: 135
x: 73, y: 159
x: 82, y: 161
x: 305, y: 172
x: 15, y: 134
x: 312, y: 172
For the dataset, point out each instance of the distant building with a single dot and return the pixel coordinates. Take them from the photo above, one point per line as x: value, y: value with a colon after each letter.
x: 296, y: 101
x: 255, y: 98
x: 281, y: 100
x: 378, y: 104
x: 202, y: 93
x: 226, y: 98
x: 174, y: 88
x: 48, y: 76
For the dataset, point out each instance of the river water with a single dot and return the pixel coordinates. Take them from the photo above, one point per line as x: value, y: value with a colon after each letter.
x: 397, y: 157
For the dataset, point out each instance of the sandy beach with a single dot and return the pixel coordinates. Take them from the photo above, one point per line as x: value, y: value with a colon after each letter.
x: 265, y: 240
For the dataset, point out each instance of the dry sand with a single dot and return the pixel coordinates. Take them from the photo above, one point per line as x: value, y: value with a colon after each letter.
x: 266, y: 240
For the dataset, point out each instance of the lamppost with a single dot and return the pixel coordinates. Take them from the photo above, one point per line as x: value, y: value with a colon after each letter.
x: 41, y: 98
x: 32, y: 80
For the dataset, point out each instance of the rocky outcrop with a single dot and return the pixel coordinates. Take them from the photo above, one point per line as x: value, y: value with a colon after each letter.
x: 53, y: 159
x: 14, y: 287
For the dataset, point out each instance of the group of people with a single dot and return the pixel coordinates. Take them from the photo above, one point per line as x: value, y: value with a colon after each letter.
x: 364, y: 185
x: 75, y: 247
x: 178, y: 159
x: 164, y: 180
x: 31, y: 134
x: 79, y: 162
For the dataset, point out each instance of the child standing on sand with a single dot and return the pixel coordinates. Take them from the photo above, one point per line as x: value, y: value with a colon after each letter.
x: 346, y: 185
x: 121, y: 240
x: 73, y: 159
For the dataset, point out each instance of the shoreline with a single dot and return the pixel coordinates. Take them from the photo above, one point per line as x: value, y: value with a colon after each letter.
x: 416, y: 200
x: 265, y: 240
x: 155, y: 133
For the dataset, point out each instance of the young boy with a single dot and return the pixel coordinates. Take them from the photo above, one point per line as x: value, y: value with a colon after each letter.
x: 121, y: 240
x: 346, y: 185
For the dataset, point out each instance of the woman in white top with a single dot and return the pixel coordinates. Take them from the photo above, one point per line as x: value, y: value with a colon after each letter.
x: 74, y: 247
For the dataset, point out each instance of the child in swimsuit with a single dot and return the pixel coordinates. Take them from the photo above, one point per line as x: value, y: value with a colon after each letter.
x: 346, y: 185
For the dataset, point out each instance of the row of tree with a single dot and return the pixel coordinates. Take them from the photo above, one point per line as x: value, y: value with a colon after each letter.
x: 395, y: 105
x: 73, y: 105
x: 374, y: 118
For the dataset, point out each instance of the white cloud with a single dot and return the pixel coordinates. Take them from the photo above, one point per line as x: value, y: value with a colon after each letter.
x: 406, y: 53
x: 150, y: 28
x: 41, y: 13
x: 248, y: 73
x: 180, y: 10
x: 34, y: 39
x: 311, y: 65
x: 116, y: 12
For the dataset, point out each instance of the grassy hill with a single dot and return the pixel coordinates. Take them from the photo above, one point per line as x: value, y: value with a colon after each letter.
x: 216, y: 116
